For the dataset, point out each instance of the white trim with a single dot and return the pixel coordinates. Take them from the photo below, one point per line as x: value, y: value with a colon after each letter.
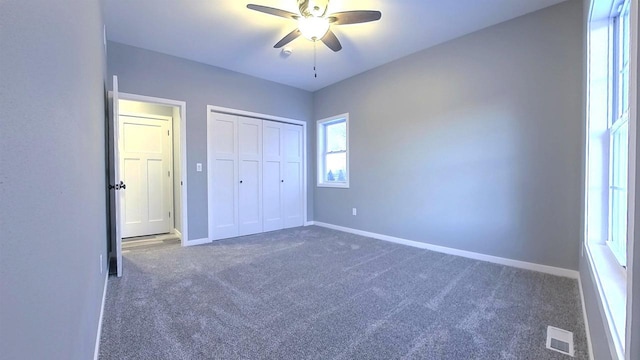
x: 182, y: 105
x: 320, y: 159
x: 602, y: 308
x: 230, y: 111
x: 585, y: 319
x: 309, y: 223
x: 197, y: 242
x: 634, y: 28
x: 177, y: 233
x: 96, y: 350
x: 146, y: 115
x: 467, y: 254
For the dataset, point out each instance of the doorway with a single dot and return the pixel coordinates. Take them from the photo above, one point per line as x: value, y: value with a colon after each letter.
x: 146, y: 166
x: 158, y: 205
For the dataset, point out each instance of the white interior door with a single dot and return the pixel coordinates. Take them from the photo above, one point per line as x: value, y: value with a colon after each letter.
x: 222, y: 162
x: 250, y: 175
x: 272, y: 178
x: 117, y: 180
x: 293, y: 171
x: 146, y: 166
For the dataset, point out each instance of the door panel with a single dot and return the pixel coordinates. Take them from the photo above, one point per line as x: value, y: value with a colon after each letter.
x: 222, y: 160
x: 249, y: 204
x: 293, y: 195
x: 155, y: 179
x: 272, y: 175
x: 146, y: 158
x: 250, y: 175
x: 249, y: 140
x: 272, y: 199
x: 132, y: 202
x: 224, y: 205
x: 293, y: 176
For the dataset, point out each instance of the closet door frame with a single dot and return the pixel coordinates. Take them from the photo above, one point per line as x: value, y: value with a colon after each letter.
x: 236, y: 112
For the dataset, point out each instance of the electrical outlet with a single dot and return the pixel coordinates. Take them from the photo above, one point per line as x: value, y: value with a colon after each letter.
x: 354, y: 212
x: 101, y: 267
x: 198, y: 167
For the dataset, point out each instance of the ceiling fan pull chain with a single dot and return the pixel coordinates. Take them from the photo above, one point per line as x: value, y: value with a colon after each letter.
x: 315, y: 73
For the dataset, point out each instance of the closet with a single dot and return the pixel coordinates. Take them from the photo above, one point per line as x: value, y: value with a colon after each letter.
x: 255, y: 175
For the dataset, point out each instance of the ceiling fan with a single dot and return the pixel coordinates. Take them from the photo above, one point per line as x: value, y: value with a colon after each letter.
x: 315, y: 24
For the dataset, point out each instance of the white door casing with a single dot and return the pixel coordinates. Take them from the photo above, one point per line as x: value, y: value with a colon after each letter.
x: 146, y: 165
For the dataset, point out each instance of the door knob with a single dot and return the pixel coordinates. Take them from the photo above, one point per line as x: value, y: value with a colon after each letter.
x: 240, y: 181
x: 122, y: 185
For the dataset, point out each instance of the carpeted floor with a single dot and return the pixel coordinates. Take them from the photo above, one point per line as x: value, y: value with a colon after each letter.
x: 315, y: 293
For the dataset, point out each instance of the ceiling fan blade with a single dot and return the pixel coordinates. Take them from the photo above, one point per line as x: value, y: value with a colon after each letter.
x: 331, y: 41
x: 354, y: 17
x: 287, y: 39
x: 273, y: 11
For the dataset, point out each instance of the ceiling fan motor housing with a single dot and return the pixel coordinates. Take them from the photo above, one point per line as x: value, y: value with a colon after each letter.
x: 315, y: 8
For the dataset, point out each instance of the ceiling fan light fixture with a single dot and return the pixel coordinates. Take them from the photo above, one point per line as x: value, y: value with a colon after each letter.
x: 313, y: 28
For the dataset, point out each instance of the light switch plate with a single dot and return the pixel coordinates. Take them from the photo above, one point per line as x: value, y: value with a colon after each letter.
x: 198, y: 167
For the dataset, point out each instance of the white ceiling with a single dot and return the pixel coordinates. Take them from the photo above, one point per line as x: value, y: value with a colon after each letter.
x: 226, y: 34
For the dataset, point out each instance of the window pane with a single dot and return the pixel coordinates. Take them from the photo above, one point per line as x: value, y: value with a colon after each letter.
x: 335, y: 167
x: 336, y: 136
x: 624, y: 106
x: 618, y: 212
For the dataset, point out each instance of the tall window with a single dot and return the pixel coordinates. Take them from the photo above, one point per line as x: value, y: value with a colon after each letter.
x: 333, y: 151
x: 619, y: 136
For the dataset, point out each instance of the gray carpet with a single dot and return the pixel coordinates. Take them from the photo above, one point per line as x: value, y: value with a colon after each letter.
x: 315, y: 293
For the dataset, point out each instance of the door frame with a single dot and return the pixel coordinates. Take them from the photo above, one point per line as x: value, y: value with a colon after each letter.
x: 182, y: 106
x: 237, y: 112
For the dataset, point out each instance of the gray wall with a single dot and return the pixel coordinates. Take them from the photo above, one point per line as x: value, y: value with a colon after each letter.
x: 150, y: 73
x: 474, y: 144
x: 52, y: 178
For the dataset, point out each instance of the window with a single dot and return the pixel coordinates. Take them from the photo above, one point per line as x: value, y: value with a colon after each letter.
x: 619, y: 135
x: 608, y: 154
x: 333, y: 151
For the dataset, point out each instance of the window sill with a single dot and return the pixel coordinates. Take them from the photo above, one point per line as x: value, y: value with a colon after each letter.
x: 337, y: 185
x: 611, y: 284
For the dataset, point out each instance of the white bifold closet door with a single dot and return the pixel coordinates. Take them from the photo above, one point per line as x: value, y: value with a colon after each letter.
x: 255, y: 175
x: 235, y: 175
x: 282, y: 175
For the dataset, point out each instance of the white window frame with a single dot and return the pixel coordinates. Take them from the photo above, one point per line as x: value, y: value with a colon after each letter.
x: 321, y: 142
x: 611, y: 281
x: 618, y: 118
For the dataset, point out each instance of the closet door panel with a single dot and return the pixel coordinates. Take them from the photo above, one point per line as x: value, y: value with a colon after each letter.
x: 293, y: 176
x: 222, y: 167
x: 250, y: 175
x: 272, y: 176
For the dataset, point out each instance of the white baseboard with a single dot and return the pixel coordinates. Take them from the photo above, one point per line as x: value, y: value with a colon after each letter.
x: 196, y: 242
x: 586, y: 320
x: 309, y: 223
x: 451, y: 251
x: 96, y: 350
x: 177, y: 233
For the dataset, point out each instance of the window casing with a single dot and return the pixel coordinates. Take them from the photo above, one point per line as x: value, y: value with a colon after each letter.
x: 619, y: 135
x: 333, y: 151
